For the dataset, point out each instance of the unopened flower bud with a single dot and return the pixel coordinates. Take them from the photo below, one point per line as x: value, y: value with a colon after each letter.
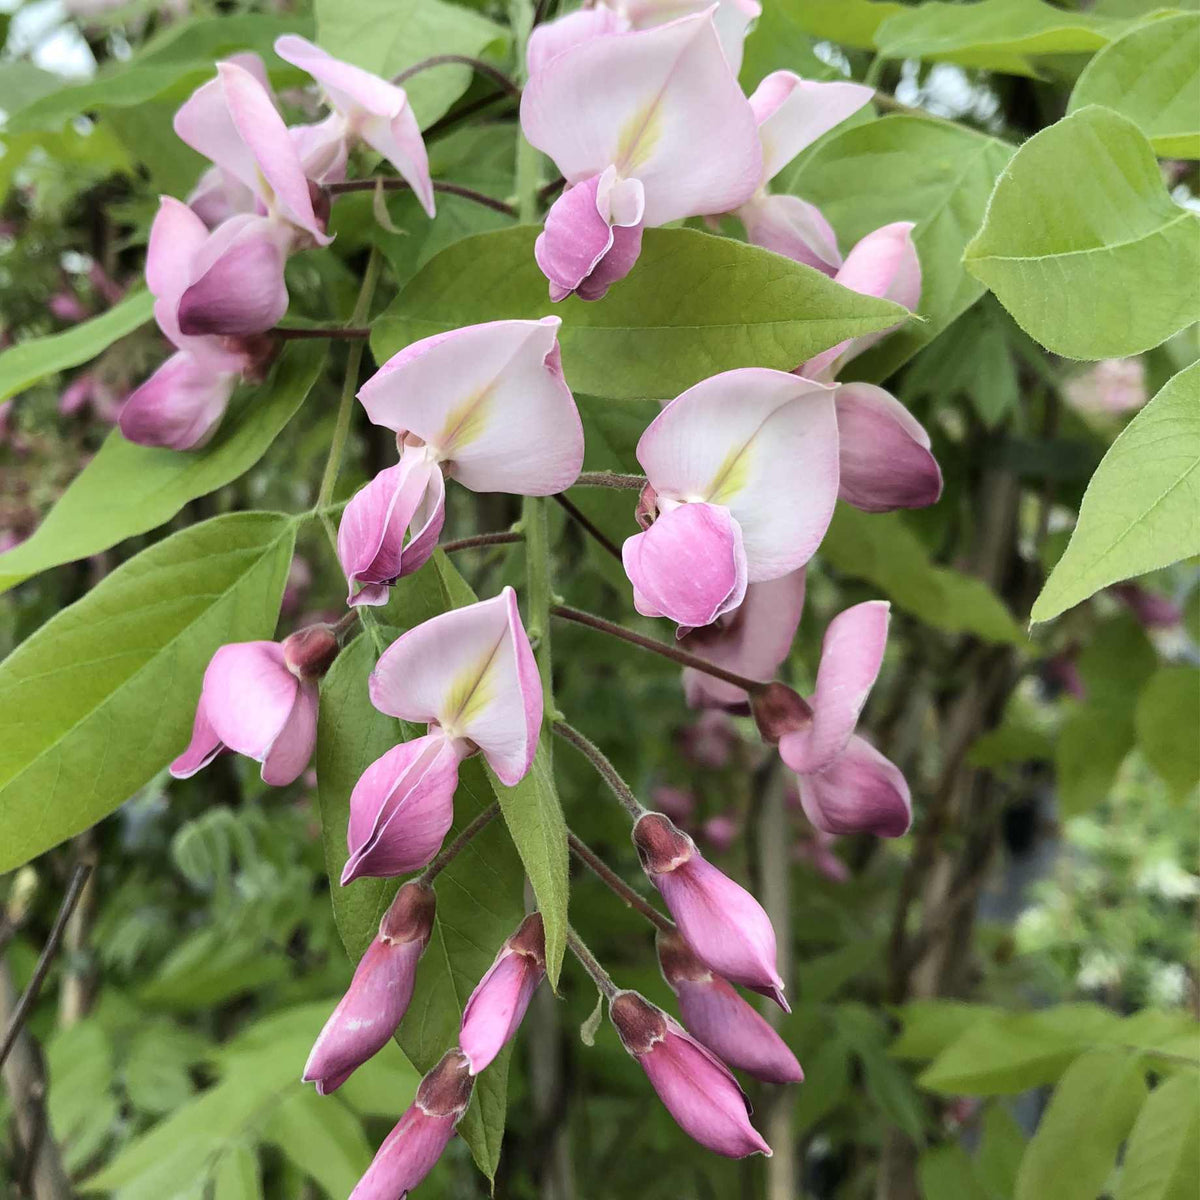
x: 647, y: 507
x: 309, y: 652
x: 724, y: 925
x: 714, y: 1012
x: 498, y: 1004
x: 697, y: 1088
x: 380, y: 993
x: 412, y: 1149
x: 778, y: 710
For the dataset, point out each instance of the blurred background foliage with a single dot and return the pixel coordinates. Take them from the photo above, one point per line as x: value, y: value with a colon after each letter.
x: 1035, y: 937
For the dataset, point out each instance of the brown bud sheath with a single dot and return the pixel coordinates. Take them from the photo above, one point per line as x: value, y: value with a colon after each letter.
x: 778, y: 710
x: 446, y: 1090
x: 409, y: 917
x: 310, y: 652
x: 640, y: 1024
x: 530, y: 939
x: 660, y: 844
x: 647, y: 507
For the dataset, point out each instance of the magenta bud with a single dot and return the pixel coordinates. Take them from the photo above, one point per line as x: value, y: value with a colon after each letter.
x: 714, y: 1013
x: 412, y: 1149
x: 698, y: 1090
x: 309, y: 652
x: 723, y: 924
x: 498, y: 1004
x: 647, y: 506
x: 380, y: 993
x: 778, y: 710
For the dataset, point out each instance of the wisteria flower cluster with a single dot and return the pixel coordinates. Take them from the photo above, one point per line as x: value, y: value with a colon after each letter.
x: 645, y: 120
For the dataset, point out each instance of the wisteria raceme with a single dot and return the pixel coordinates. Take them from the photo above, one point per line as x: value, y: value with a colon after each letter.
x: 379, y: 994
x: 260, y: 699
x: 698, y: 1089
x: 486, y: 405
x: 652, y: 126
x: 470, y: 674
x: 742, y: 473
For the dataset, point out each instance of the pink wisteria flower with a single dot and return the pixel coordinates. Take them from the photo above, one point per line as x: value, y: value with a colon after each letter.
x: 723, y: 924
x: 846, y: 785
x: 182, y: 403
x: 260, y: 699
x: 366, y: 108
x: 752, y: 640
x: 646, y: 128
x: 714, y: 1012
x: 742, y: 474
x: 696, y: 1087
x: 486, y: 405
x: 792, y: 113
x: 379, y: 994
x: 471, y: 676
x: 412, y: 1149
x: 497, y: 1006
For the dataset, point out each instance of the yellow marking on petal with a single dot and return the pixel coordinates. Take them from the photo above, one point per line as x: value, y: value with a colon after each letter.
x: 638, y: 138
x: 470, y: 693
x: 464, y: 423
x: 732, y: 475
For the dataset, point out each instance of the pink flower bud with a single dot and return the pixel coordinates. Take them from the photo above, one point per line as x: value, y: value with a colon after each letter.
x: 698, y: 1090
x: 380, y: 993
x: 724, y: 925
x: 410, y: 1151
x: 252, y: 703
x: 498, y: 1003
x: 713, y: 1012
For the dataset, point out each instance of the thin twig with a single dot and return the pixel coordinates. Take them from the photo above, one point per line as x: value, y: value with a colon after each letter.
x: 33, y: 1147
x: 448, y: 853
x: 336, y: 331
x: 586, y: 523
x: 752, y: 686
x: 610, y: 479
x: 609, y: 773
x: 600, y: 977
x: 451, y: 119
x: 483, y: 539
x: 74, y: 890
x: 548, y: 189
x: 463, y: 60
x: 616, y: 884
x: 388, y: 184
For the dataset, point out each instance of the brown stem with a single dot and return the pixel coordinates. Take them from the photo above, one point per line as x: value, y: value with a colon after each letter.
x: 615, y: 883
x: 388, y: 184
x: 610, y: 479
x: 355, y: 333
x: 506, y: 537
x: 586, y: 523
x: 448, y: 853
x: 548, y: 189
x: 463, y: 60
x: 74, y: 890
x: 450, y: 120
x: 752, y: 686
x: 346, y: 622
x: 600, y: 977
x: 592, y: 752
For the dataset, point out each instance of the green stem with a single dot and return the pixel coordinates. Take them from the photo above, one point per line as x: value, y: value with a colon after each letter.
x: 341, y: 429
x: 600, y: 977
x: 605, y: 769
x: 448, y: 853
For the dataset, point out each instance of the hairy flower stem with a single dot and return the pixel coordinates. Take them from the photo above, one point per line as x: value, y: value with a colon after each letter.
x: 388, y: 184
x: 752, y: 686
x: 586, y: 523
x: 447, y: 854
x: 337, y: 332
x: 463, y: 60
x: 341, y: 429
x: 610, y: 479
x: 607, y: 772
x: 346, y: 622
x: 600, y: 977
x: 483, y: 539
x: 617, y: 885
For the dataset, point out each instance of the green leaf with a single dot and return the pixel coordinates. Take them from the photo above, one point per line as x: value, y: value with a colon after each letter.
x: 128, y: 489
x: 1152, y: 76
x: 102, y: 697
x: 826, y: 1083
x: 905, y: 168
x: 322, y: 1138
x: 82, y: 1108
x: 997, y: 35
x: 479, y: 893
x: 1091, y: 746
x: 1000, y: 1151
x: 1088, y: 1117
x: 851, y: 22
x: 36, y: 358
x: 929, y: 1026
x: 694, y: 305
x: 1140, y: 509
x: 881, y: 549
x: 386, y: 36
x: 1162, y: 1159
x: 947, y: 1173
x: 236, y: 1176
x: 1083, y: 244
x: 1167, y: 719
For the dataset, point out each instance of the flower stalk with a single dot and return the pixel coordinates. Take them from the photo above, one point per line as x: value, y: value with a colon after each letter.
x: 447, y: 854
x: 600, y: 977
x: 609, y: 773
x: 388, y: 184
x: 617, y: 885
